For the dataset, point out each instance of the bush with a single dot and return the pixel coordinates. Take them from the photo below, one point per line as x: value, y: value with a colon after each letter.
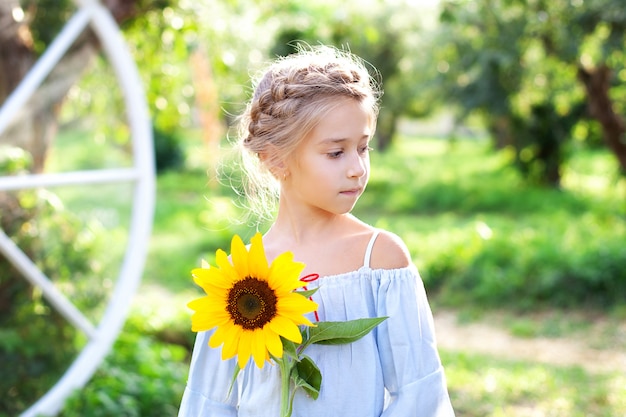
x: 145, y: 373
x: 168, y: 151
x: 36, y: 343
x: 142, y: 377
x: 550, y: 264
x: 482, y: 235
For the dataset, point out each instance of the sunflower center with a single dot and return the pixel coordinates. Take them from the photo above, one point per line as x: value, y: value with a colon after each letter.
x: 251, y: 303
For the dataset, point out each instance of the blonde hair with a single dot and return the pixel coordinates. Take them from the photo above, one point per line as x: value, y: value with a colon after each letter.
x: 290, y: 99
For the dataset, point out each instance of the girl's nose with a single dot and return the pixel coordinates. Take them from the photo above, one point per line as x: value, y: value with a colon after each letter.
x: 358, y: 166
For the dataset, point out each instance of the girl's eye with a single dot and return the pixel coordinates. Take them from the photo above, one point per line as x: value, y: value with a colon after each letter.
x: 365, y: 149
x: 335, y: 155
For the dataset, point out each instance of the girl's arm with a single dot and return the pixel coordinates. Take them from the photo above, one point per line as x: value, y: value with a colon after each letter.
x: 412, y: 370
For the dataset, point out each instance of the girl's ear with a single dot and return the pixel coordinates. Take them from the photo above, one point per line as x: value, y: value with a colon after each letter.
x: 273, y: 163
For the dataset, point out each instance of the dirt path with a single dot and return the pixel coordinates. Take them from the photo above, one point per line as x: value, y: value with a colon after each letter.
x: 576, y: 349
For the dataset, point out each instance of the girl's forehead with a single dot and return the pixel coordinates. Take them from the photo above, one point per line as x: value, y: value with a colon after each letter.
x: 348, y: 120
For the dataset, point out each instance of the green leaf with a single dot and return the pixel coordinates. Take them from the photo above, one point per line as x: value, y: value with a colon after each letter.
x: 289, y: 348
x: 307, y: 293
x: 234, y: 378
x: 308, y: 376
x: 342, y: 332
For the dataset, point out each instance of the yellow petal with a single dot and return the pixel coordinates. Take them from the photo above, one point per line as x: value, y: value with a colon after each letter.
x: 212, y: 276
x: 259, y: 351
x: 273, y: 342
x: 231, y: 341
x: 245, y: 348
x: 284, y: 273
x: 202, y: 322
x: 285, y: 328
x: 208, y: 305
x: 257, y: 261
x: 239, y: 255
x: 223, y: 262
x: 217, y: 338
x: 295, y: 304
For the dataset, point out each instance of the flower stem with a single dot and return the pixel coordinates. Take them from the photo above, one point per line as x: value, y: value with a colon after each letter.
x: 285, y: 403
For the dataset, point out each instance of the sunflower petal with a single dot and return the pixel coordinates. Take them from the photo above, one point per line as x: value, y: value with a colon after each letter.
x: 286, y: 328
x: 257, y: 261
x: 212, y: 276
x: 218, y: 337
x: 294, y: 304
x: 245, y: 348
x: 239, y: 256
x: 259, y: 350
x: 231, y: 341
x: 273, y: 342
x: 209, y: 304
x: 201, y: 321
x: 223, y: 262
x: 284, y: 273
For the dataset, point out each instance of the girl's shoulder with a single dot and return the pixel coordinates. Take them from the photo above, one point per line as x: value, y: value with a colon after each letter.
x: 389, y: 252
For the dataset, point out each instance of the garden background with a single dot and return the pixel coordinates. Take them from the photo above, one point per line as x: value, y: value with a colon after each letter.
x: 499, y: 159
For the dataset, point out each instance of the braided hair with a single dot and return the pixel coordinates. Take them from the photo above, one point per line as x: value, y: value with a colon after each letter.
x: 290, y: 98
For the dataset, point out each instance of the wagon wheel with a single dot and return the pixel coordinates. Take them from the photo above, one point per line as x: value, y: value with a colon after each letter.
x: 141, y: 174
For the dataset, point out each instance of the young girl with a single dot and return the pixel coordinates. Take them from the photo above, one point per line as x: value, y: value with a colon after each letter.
x: 309, y: 127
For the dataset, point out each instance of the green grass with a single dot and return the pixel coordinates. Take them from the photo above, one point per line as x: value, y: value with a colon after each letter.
x: 481, y: 237
x: 483, y: 386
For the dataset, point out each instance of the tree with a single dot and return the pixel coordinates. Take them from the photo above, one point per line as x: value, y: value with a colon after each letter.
x: 384, y: 34
x: 602, y: 71
x: 519, y: 65
x: 30, y: 26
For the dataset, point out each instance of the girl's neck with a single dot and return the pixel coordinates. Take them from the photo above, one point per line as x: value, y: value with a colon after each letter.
x: 309, y: 227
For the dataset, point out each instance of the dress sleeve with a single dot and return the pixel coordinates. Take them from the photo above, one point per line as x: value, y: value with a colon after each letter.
x: 412, y: 370
x: 207, y: 391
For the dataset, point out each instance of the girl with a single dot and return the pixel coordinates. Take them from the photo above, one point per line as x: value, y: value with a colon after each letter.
x: 308, y: 129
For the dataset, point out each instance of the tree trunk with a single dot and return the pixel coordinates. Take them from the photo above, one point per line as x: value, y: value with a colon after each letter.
x: 386, y: 129
x: 35, y: 125
x: 597, y: 84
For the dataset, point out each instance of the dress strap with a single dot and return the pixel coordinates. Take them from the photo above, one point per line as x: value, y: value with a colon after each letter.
x: 368, y: 251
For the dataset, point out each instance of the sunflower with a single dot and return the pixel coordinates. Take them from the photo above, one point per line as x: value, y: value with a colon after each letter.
x: 251, y: 304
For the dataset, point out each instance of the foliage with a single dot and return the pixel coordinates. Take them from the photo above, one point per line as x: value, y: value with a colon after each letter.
x: 481, y: 235
x: 145, y: 373
x: 168, y: 152
x: 36, y: 342
x: 142, y: 377
x: 386, y: 35
x: 516, y: 63
x: 191, y: 47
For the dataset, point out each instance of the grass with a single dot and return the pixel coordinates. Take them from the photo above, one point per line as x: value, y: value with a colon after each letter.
x: 484, y: 386
x: 450, y: 202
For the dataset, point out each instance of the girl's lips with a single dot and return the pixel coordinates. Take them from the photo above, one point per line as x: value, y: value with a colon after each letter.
x: 352, y: 191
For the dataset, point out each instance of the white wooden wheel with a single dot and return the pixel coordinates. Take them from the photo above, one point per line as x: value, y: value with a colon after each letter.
x: 142, y: 174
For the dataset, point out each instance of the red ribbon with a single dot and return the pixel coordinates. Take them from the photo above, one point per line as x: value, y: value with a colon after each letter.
x: 311, y: 278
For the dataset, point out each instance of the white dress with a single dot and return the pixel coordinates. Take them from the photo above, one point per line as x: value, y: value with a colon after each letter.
x: 395, y: 370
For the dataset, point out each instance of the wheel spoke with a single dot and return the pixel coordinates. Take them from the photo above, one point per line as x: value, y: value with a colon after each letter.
x: 31, y: 272
x: 21, y: 182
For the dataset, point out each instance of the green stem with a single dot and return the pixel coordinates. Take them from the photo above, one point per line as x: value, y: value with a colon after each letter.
x: 285, y: 403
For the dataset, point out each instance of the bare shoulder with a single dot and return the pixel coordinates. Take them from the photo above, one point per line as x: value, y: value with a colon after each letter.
x: 389, y: 252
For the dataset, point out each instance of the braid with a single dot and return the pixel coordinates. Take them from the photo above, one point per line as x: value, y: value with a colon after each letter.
x: 289, y: 100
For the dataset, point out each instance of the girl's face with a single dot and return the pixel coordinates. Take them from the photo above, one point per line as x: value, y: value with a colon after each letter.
x: 330, y: 168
